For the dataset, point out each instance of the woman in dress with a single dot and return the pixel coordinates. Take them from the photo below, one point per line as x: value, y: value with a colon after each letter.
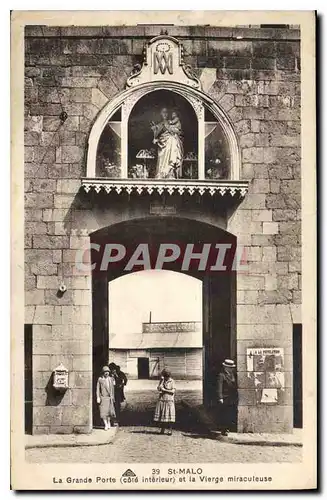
x: 165, y: 410
x: 106, y: 397
x: 168, y: 136
x: 227, y: 396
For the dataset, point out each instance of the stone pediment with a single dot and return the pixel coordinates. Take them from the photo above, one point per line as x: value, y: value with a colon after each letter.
x: 163, y: 61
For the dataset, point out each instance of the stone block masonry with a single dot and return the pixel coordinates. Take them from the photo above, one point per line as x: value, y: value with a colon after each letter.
x: 254, y: 75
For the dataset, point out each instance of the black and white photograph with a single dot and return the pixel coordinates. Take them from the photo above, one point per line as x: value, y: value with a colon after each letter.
x: 164, y: 223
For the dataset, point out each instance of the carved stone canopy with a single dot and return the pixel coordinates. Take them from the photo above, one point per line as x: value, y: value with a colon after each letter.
x: 163, y: 69
x: 163, y: 61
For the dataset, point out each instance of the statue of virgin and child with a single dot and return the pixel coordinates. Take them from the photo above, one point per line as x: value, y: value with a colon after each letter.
x: 168, y: 138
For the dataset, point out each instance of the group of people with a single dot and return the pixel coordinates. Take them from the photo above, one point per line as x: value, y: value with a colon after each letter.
x: 110, y: 394
x: 227, y: 397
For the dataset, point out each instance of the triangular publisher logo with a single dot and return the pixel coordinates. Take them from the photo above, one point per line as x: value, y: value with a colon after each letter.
x: 129, y: 473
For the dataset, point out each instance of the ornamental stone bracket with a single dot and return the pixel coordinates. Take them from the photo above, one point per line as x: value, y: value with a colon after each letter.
x: 163, y: 60
x: 140, y: 186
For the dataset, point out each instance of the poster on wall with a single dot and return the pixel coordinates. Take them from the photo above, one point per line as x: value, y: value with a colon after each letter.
x: 160, y: 231
x: 265, y: 369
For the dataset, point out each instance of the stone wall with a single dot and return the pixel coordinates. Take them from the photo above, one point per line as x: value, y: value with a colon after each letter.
x: 254, y: 75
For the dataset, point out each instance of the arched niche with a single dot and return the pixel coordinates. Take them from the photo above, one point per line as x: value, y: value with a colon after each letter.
x: 143, y: 147
x: 111, y: 153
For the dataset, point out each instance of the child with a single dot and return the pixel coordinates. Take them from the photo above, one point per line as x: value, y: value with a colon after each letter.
x: 165, y: 409
x: 175, y: 122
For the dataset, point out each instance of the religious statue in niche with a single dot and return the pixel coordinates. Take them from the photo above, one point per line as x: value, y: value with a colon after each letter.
x: 168, y: 139
x: 163, y: 138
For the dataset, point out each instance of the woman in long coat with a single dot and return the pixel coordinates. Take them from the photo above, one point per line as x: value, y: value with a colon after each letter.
x: 227, y: 396
x: 105, y: 393
x: 164, y: 413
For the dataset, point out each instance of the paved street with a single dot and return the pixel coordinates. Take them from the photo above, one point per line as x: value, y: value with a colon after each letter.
x: 137, y: 440
x: 139, y: 444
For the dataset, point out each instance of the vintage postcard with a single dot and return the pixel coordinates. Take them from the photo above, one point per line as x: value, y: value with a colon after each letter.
x: 163, y: 250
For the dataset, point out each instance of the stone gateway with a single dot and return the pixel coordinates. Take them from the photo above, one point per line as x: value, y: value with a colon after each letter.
x: 91, y: 178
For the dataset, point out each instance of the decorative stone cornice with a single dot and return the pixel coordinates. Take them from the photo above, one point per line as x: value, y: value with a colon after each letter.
x: 150, y: 186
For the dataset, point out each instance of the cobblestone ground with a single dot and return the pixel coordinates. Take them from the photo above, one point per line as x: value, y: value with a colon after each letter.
x: 138, y: 441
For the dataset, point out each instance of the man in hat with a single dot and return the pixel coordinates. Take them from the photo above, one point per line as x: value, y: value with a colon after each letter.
x: 120, y: 382
x: 227, y: 396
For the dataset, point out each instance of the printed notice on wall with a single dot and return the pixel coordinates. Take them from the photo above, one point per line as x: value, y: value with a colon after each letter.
x: 163, y: 250
x: 266, y: 371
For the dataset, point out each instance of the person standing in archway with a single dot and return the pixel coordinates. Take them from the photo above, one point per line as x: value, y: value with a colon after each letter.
x: 120, y: 382
x: 165, y: 410
x: 227, y: 396
x: 106, y: 397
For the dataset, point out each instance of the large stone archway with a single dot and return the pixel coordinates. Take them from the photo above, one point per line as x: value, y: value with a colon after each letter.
x: 218, y: 289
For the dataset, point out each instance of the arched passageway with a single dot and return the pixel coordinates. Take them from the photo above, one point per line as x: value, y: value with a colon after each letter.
x: 218, y: 287
x: 155, y: 323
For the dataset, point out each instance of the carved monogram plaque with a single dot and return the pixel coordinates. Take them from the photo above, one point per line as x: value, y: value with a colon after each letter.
x: 163, y: 60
